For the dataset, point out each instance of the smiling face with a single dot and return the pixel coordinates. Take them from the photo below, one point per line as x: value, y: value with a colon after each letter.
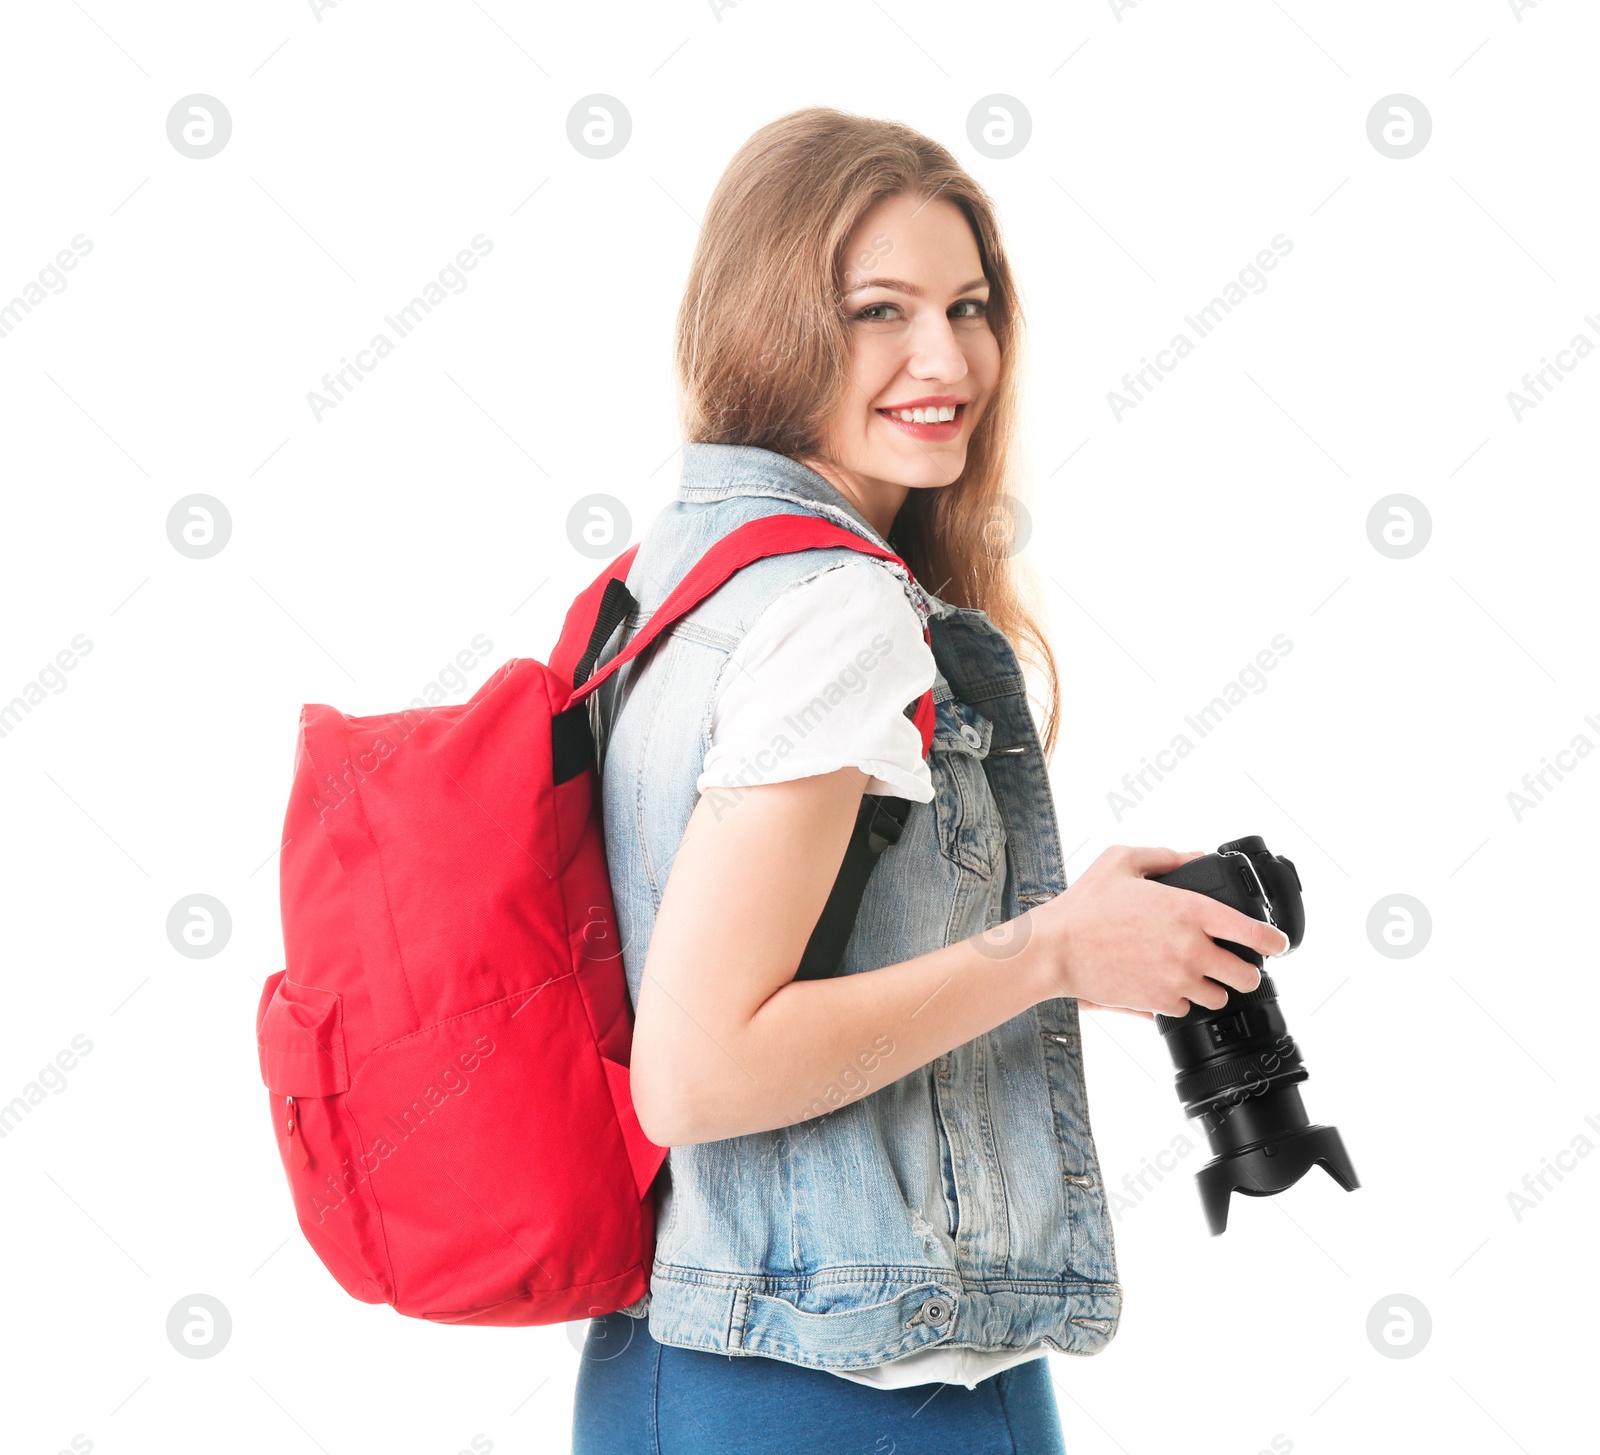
x: 924, y: 362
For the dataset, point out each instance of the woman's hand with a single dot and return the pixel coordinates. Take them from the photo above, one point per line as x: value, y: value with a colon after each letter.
x: 1120, y: 1009
x: 1118, y: 941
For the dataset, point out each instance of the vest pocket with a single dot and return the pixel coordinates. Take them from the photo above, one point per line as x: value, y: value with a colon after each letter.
x: 970, y: 829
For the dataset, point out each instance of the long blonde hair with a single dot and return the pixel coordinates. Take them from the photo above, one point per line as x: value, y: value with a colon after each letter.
x: 763, y: 352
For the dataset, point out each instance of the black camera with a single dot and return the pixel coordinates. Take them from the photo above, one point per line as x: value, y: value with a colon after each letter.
x: 1238, y: 1068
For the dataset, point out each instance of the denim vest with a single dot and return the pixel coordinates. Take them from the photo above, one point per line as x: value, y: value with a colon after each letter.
x: 960, y: 1204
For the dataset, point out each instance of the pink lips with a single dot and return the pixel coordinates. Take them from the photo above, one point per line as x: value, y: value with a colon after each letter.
x: 946, y: 430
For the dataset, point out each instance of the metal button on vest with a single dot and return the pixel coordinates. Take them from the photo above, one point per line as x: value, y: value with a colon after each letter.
x: 935, y: 1311
x: 971, y: 736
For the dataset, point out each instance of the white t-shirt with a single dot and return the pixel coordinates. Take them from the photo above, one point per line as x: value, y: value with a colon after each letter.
x: 821, y: 681
x: 941, y: 1366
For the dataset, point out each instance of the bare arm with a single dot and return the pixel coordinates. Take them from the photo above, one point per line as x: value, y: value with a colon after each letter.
x: 727, y: 1042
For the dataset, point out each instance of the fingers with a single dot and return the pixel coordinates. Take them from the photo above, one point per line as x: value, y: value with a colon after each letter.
x: 1228, y: 969
x: 1210, y: 976
x: 1208, y: 995
x: 1120, y: 1009
x: 1224, y: 923
x: 1151, y: 861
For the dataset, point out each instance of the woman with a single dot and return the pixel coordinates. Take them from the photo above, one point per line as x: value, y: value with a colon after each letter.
x: 882, y: 1204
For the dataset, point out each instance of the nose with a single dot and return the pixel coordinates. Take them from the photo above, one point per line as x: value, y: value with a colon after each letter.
x: 936, y: 353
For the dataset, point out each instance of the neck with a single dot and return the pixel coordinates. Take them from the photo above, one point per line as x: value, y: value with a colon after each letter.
x: 878, y: 501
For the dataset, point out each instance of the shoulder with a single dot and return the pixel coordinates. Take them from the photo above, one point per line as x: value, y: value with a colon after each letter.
x: 842, y: 607
x: 831, y: 580
x: 823, y: 679
x: 684, y: 532
x: 857, y: 580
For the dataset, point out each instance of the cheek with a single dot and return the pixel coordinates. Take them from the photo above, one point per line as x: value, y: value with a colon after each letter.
x: 874, y: 363
x: 983, y: 358
x: 872, y: 371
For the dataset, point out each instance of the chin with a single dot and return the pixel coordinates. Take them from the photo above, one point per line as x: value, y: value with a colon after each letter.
x: 927, y: 472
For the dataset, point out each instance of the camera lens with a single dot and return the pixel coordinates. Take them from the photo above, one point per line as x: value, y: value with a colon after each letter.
x: 1238, y: 1068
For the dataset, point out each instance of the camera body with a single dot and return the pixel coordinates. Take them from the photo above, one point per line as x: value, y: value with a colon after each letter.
x: 1238, y: 1068
x: 1245, y: 875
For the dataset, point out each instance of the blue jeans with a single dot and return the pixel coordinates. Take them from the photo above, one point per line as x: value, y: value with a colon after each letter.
x: 638, y: 1397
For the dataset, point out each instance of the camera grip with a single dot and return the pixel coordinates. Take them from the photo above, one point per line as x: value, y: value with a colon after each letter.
x: 1221, y: 877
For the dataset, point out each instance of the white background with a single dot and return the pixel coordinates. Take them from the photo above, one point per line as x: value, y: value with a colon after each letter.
x: 1170, y: 143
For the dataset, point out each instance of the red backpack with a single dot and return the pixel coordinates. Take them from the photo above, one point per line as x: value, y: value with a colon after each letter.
x: 447, y: 1051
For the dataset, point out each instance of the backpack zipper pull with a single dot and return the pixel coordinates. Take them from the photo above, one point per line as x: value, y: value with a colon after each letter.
x: 291, y: 1127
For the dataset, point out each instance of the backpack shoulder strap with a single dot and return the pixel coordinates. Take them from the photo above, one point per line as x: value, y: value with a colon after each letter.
x: 879, y: 821
x: 591, y: 619
x: 607, y: 601
x: 595, y: 613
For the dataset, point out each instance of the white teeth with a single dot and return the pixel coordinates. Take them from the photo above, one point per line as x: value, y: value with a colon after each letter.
x: 937, y: 415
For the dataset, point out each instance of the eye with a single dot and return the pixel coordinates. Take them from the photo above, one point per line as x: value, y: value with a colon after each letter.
x: 871, y: 317
x: 979, y: 305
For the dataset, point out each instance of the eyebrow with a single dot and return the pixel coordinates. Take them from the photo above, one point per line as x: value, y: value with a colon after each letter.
x: 897, y: 285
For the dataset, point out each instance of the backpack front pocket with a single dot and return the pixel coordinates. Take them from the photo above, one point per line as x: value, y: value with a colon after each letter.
x: 300, y: 1039
x: 300, y: 1043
